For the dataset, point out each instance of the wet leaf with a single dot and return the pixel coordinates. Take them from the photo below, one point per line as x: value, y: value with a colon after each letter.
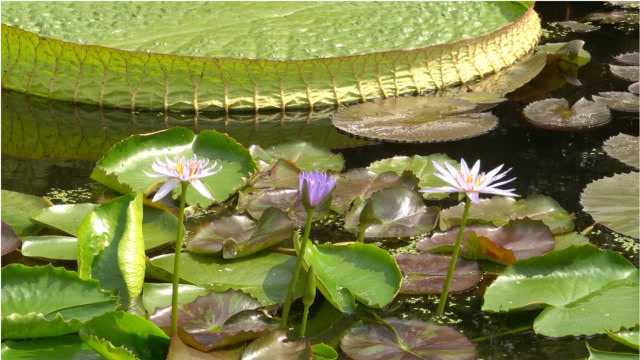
x: 634, y: 88
x: 576, y: 26
x: 257, y: 202
x: 512, y: 78
x: 500, y: 210
x: 567, y: 53
x: 421, y: 166
x: 361, y: 183
x: 630, y: 58
x: 425, y: 274
x: 595, y: 354
x: 66, y: 218
x: 17, y: 210
x: 44, y: 301
x: 416, y: 340
x: 276, y: 346
x: 158, y: 295
x: 624, y: 148
x: 391, y: 213
x: 618, y: 100
x: 415, y: 119
x: 9, y: 240
x: 55, y: 247
x: 306, y: 156
x: 613, y: 202
x: 629, y: 338
x: 569, y: 282
x: 58, y: 347
x: 555, y: 114
x: 178, y: 350
x: 323, y: 352
x: 629, y: 73
x: 571, y: 239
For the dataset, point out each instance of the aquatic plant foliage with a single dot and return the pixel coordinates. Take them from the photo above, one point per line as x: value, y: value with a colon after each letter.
x: 425, y: 274
x: 624, y: 148
x: 304, y: 155
x: 18, y: 209
x: 619, y: 100
x: 555, y: 114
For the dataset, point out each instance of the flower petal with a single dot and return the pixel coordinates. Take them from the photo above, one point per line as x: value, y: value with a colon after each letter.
x: 201, y: 188
x: 442, y: 189
x: 165, y: 189
x: 474, y: 197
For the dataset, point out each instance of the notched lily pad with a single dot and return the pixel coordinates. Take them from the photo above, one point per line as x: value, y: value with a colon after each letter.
x: 305, y: 156
x: 239, y: 235
x: 614, y: 203
x: 618, y: 100
x: 426, y: 273
x: 624, y: 148
x: 217, y: 320
x: 555, y: 114
x: 630, y: 58
x: 629, y: 73
x: 415, y: 119
x: 417, y: 340
x: 10, y: 241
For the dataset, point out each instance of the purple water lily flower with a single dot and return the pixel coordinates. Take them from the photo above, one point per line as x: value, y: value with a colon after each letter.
x: 314, y: 187
x: 183, y: 170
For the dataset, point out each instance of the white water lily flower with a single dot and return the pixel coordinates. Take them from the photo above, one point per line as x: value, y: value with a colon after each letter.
x: 183, y: 170
x: 471, y: 181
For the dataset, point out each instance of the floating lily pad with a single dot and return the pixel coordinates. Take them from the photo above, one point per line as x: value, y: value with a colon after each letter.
x: 614, y: 17
x: 500, y: 210
x: 9, y: 241
x: 629, y: 73
x: 214, y: 320
x: 571, y: 52
x: 417, y: 340
x: 46, y: 301
x: 613, y: 202
x: 634, y: 88
x: 624, y: 148
x: 178, y: 350
x: 426, y: 273
x: 66, y: 218
x: 629, y: 338
x: 576, y: 26
x: 555, y: 114
x: 618, y: 100
x: 58, y: 347
x: 18, y: 208
x: 512, y: 78
x: 126, y: 165
x: 158, y: 295
x: 306, y: 156
x: 57, y: 247
x: 392, y: 212
x: 361, y: 183
x: 421, y: 166
x: 578, y: 280
x: 570, y: 239
x: 283, y: 174
x: 275, y: 345
x: 595, y: 354
x: 415, y: 119
x: 523, y: 238
x: 255, y: 203
x: 239, y: 235
x: 630, y: 58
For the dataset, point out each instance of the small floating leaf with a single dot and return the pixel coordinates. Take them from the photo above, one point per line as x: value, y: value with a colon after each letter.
x: 555, y: 114
x: 66, y: 218
x: 178, y: 350
x: 629, y: 73
x: 158, y: 295
x: 624, y: 148
x: 9, y: 240
x: 630, y: 58
x: 305, y: 156
x: 512, y: 78
x: 57, y: 247
x: 576, y: 26
x: 257, y: 202
x: 613, y: 202
x: 18, y: 208
x: 360, y: 183
x: 571, y: 52
x: 618, y: 100
x: 425, y: 274
x: 634, y: 88
x: 415, y: 340
x: 59, y: 347
x: 570, y: 239
x: 276, y: 346
x: 614, y: 17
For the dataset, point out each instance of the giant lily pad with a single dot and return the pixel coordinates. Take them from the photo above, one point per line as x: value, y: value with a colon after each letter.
x: 426, y: 273
x: 392, y: 212
x: 216, y: 320
x: 613, y: 202
x: 415, y: 119
x: 410, y: 339
x: 421, y: 166
x: 9, y: 240
x: 555, y: 114
x: 239, y: 235
x: 18, y: 208
x: 618, y: 100
x: 360, y: 183
x: 111, y: 246
x: 523, y: 238
x: 624, y: 148
x: 500, y: 210
x: 45, y: 301
x: 353, y: 271
x: 305, y: 156
x: 629, y: 73
x: 60, y: 347
x: 598, y: 285
x: 264, y: 276
x: 162, y: 57
x: 126, y: 165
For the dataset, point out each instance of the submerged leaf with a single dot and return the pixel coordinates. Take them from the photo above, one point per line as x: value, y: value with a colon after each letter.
x: 9, y: 240
x: 630, y: 58
x: 306, y: 156
x: 415, y: 340
x: 618, y: 100
x: 426, y: 273
x: 614, y: 203
x: 629, y: 73
x: 555, y: 114
x: 624, y: 148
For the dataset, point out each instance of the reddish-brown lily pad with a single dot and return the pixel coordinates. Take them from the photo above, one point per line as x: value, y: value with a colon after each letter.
x: 275, y: 346
x: 417, y: 340
x: 425, y: 274
x: 178, y: 350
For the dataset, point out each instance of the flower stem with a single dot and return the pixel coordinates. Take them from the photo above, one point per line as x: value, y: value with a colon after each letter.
x: 361, y: 232
x: 297, y: 269
x: 307, y: 299
x: 176, y: 260
x: 454, y: 259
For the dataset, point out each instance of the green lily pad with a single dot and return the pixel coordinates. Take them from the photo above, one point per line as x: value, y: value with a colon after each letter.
x: 323, y: 351
x: 629, y: 338
x: 275, y: 345
x: 45, y: 301
x: 586, y: 291
x: 500, y: 210
x: 351, y: 272
x: 158, y: 295
x: 9, y: 240
x: 571, y: 52
x: 415, y: 119
x: 57, y: 247
x: 595, y: 354
x: 121, y: 335
x: 304, y: 155
x: 629, y: 73
x: 624, y: 148
x: 59, y: 347
x: 66, y: 218
x: 411, y: 339
x: 555, y: 114
x: 283, y: 174
x: 18, y: 209
x: 238, y: 235
x: 421, y: 166
x: 630, y: 58
x: 111, y: 246
x: 613, y: 202
x: 618, y: 100
x: 426, y: 273
x: 564, y: 241
x: 125, y: 166
x: 264, y: 276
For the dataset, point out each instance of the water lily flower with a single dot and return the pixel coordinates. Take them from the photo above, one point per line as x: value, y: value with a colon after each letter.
x: 314, y: 187
x: 471, y: 182
x: 183, y: 170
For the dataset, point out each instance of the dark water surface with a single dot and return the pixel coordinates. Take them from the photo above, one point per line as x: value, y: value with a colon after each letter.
x: 50, y: 148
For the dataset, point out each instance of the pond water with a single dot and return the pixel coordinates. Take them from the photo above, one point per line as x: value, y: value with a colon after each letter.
x: 50, y: 149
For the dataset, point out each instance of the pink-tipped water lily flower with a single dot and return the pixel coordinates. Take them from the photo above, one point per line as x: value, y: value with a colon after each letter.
x: 314, y: 187
x: 471, y: 182
x: 183, y: 170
